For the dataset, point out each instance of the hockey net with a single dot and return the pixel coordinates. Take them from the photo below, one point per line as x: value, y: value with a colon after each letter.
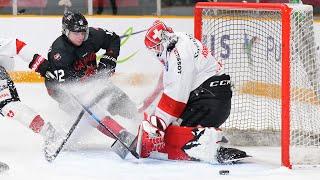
x: 269, y: 52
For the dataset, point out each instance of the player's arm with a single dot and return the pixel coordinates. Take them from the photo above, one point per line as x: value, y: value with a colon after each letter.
x: 61, y: 65
x: 109, y: 41
x: 150, y: 99
x: 8, y: 47
x: 11, y: 47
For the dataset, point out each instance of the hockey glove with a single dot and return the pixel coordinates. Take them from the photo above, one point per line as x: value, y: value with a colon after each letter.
x: 154, y: 126
x: 107, y: 63
x: 39, y: 64
x: 150, y: 137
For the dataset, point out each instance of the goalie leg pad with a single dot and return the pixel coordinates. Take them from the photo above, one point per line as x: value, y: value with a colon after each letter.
x: 186, y: 143
x: 112, y: 125
x: 176, y: 137
x: 148, y: 144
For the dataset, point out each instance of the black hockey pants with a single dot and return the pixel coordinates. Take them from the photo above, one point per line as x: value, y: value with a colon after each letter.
x: 209, y: 105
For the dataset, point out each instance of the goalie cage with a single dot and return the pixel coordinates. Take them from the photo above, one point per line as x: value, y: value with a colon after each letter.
x: 269, y: 51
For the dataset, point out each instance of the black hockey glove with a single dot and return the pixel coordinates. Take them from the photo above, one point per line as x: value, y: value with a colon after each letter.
x: 107, y: 63
x: 39, y: 64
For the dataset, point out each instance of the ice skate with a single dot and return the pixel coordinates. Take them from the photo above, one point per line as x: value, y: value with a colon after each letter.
x: 52, y: 141
x: 230, y: 155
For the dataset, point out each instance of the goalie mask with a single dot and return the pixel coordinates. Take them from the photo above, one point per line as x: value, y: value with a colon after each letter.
x: 156, y: 37
x: 75, y: 22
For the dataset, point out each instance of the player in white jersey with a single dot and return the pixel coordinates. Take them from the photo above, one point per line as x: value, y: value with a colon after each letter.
x: 10, y: 105
x: 195, y: 101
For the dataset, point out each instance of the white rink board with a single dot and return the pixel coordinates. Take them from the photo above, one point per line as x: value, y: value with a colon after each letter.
x: 40, y: 32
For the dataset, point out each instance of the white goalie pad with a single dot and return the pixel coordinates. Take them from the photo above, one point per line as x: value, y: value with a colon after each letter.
x: 205, y: 145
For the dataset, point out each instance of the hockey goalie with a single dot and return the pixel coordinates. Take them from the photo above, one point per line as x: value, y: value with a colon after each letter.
x: 195, y: 100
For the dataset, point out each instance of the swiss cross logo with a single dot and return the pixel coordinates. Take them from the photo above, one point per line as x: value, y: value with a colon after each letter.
x: 156, y: 34
x: 10, y: 114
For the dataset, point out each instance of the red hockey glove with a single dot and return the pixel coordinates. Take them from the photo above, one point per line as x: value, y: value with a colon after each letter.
x: 39, y: 64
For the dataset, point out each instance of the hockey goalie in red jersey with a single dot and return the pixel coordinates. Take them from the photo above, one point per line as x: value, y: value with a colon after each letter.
x: 10, y: 105
x: 195, y: 101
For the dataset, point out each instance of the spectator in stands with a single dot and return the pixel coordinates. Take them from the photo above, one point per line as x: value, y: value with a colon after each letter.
x: 113, y: 6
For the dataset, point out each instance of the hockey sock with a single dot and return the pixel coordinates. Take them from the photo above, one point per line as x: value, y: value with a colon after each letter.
x: 36, y: 124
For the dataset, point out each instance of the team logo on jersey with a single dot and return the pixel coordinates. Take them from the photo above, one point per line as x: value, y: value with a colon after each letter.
x: 10, y: 114
x: 57, y: 56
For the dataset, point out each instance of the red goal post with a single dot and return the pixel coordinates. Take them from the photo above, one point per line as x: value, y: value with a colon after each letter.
x: 245, y: 32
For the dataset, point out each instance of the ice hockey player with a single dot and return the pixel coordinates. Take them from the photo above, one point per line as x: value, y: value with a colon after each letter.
x: 195, y: 101
x: 72, y: 62
x: 10, y: 104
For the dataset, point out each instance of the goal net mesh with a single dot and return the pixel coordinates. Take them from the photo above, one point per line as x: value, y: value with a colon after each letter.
x: 249, y: 43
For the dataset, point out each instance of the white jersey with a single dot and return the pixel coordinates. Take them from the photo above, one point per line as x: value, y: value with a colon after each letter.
x: 16, y: 110
x: 186, y: 67
x: 10, y: 47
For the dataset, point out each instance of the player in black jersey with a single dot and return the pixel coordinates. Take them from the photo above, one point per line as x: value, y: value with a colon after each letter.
x: 72, y: 70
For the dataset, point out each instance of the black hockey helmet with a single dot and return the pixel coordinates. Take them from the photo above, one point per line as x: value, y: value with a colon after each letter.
x: 74, y: 21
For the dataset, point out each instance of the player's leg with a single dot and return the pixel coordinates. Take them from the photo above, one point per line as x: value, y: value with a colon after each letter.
x: 13, y: 108
x: 209, y: 106
x: 117, y: 103
x: 111, y: 103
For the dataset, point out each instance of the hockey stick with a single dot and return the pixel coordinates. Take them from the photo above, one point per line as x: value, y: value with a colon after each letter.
x: 3, y: 167
x: 52, y: 157
x: 130, y: 148
x: 137, y: 32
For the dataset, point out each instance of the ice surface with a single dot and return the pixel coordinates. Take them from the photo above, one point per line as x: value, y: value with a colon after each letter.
x: 91, y: 158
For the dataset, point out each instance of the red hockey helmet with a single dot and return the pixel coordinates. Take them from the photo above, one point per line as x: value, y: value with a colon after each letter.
x: 154, y: 36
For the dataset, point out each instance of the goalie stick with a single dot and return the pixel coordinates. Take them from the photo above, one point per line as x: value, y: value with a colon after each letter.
x: 52, y: 157
x: 3, y: 167
x: 131, y: 148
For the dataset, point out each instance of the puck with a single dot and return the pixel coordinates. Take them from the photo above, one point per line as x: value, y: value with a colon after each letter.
x: 224, y: 172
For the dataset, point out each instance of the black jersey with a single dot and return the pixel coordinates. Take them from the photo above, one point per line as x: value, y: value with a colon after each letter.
x: 69, y: 62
